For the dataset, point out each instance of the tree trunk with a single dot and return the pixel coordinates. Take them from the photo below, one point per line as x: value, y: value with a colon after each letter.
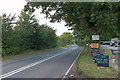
x: 93, y: 31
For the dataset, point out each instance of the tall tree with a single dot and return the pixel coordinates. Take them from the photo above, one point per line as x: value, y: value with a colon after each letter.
x: 27, y: 26
x: 25, y: 34
x: 100, y: 18
x: 35, y: 36
x: 7, y: 28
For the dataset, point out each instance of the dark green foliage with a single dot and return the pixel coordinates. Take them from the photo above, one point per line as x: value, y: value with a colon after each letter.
x: 43, y: 37
x: 25, y: 34
x: 93, y: 17
x: 7, y: 32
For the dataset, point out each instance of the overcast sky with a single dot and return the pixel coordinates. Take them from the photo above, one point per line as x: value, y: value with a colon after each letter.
x: 15, y: 7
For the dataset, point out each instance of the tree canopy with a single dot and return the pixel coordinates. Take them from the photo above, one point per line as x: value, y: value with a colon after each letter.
x: 92, y: 17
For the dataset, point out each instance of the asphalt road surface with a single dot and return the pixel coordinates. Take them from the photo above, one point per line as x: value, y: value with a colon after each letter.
x: 53, y: 64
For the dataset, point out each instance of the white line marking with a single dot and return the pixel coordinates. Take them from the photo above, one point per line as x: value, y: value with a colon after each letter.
x: 28, y: 66
x: 71, y: 66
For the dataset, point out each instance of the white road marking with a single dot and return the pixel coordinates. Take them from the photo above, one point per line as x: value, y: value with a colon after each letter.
x: 71, y: 66
x: 28, y: 66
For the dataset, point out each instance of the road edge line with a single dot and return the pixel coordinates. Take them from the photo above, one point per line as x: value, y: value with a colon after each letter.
x: 29, y: 65
x: 71, y: 65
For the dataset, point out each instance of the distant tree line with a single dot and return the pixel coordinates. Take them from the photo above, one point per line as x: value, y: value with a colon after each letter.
x: 66, y: 39
x: 25, y: 34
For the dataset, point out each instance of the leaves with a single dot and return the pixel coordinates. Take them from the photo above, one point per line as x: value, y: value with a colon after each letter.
x: 66, y: 39
x: 26, y: 34
x: 97, y: 17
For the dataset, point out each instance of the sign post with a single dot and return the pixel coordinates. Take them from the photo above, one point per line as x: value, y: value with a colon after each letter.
x: 99, y: 59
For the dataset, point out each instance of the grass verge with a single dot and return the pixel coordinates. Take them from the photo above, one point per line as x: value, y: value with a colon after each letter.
x: 89, y: 68
x: 27, y: 52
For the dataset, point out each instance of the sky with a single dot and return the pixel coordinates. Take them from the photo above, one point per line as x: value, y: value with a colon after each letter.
x: 15, y: 7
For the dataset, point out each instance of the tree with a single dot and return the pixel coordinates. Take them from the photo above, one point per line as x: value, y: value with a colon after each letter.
x: 66, y: 39
x: 35, y: 36
x: 27, y: 26
x: 25, y: 34
x: 49, y: 37
x: 7, y: 28
x: 43, y: 37
x: 99, y: 18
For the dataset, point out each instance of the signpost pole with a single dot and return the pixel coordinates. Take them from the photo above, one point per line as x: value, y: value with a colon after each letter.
x: 98, y: 68
x: 107, y: 69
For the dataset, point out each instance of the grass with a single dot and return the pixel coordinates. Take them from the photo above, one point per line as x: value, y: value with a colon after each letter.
x: 27, y: 52
x: 89, y: 68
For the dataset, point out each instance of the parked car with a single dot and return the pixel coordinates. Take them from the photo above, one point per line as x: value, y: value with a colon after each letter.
x: 101, y: 42
x: 117, y: 44
x: 105, y: 45
x: 114, y: 46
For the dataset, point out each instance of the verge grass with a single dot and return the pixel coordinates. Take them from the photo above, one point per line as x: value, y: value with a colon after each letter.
x: 89, y: 68
x: 27, y: 52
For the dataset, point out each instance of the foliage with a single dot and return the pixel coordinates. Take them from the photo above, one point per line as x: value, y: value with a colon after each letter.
x: 66, y: 39
x: 82, y: 37
x: 25, y: 34
x: 43, y: 37
x: 99, y: 18
x: 108, y: 52
x: 7, y: 28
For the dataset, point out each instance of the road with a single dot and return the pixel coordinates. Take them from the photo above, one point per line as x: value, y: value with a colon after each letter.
x: 53, y: 64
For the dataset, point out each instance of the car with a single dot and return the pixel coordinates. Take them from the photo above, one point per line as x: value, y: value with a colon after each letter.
x: 101, y: 42
x: 117, y: 44
x: 105, y: 45
x: 114, y: 46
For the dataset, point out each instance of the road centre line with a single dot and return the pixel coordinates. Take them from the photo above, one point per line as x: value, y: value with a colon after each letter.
x: 28, y: 66
x: 19, y: 60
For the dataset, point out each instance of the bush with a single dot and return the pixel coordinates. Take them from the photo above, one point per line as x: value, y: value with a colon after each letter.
x: 108, y: 52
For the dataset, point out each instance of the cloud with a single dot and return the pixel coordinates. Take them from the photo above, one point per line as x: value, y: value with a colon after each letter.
x: 12, y: 6
x: 15, y: 7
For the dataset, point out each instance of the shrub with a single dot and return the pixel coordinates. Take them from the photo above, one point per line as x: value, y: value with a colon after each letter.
x: 108, y: 52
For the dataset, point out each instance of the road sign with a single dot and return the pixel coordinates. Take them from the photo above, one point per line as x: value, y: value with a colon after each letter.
x: 96, y: 57
x: 95, y: 37
x: 103, y: 61
x: 94, y: 45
